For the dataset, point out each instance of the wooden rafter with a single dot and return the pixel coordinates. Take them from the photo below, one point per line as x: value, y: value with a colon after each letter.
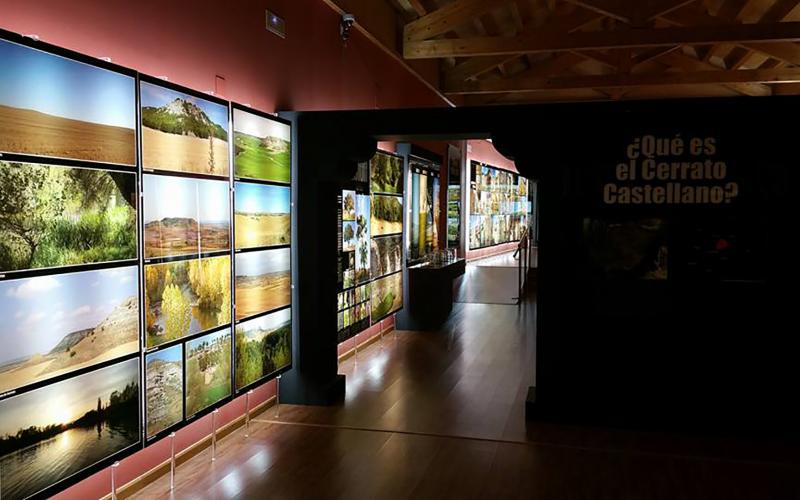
x: 448, y: 18
x: 723, y: 33
x: 631, y: 12
x: 418, y: 7
x: 686, y: 63
x: 535, y: 83
x: 479, y: 65
x: 778, y: 12
x: 787, y: 52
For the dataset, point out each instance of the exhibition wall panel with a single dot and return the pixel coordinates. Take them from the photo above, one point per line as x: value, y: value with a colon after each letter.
x: 499, y: 206
x: 69, y: 282
x: 424, y: 214
x: 370, y: 245
x: 112, y: 347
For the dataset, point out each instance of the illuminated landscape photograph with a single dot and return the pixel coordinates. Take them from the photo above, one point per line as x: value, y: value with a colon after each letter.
x: 56, y: 107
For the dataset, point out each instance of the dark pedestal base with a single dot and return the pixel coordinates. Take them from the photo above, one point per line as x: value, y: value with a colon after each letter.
x: 296, y: 391
x: 530, y: 404
x: 430, y: 292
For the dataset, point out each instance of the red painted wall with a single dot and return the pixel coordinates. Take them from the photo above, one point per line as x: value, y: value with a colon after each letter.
x: 191, y: 43
x: 484, y: 152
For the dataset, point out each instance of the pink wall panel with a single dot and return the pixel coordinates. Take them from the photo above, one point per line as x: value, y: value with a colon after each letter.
x: 193, y: 42
x: 484, y: 152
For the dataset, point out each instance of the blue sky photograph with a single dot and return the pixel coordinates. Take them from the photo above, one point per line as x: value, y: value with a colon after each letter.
x: 54, y: 85
x: 362, y: 208
x: 258, y: 126
x: 154, y: 96
x: 263, y: 262
x: 261, y: 199
x: 205, y: 201
x: 253, y: 327
x: 40, y: 311
x: 171, y: 355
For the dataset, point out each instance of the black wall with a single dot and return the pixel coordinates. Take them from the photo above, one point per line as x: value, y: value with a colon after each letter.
x: 711, y: 347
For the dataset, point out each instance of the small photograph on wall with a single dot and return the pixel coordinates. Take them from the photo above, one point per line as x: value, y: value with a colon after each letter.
x: 186, y: 297
x: 185, y: 216
x: 349, y: 231
x: 183, y: 133
x: 50, y: 434
x: 363, y: 231
x: 348, y: 205
x: 386, y: 255
x: 387, y: 296
x: 263, y: 346
x: 66, y: 322
x: 262, y: 215
x: 164, y: 389
x: 387, y: 215
x: 208, y: 370
x: 480, y: 231
x: 262, y: 148
x: 349, y: 277
x: 386, y: 174
x: 56, y: 107
x: 627, y: 249
x: 56, y: 216
x: 263, y: 281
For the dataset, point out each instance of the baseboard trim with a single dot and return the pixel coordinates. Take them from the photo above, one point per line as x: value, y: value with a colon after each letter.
x: 139, y: 483
x: 369, y: 341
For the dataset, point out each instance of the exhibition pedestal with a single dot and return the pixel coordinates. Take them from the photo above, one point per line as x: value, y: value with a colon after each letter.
x: 430, y: 291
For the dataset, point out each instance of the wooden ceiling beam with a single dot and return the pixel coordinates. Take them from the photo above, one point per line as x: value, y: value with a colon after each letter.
x: 601, y: 40
x: 787, y: 89
x: 525, y: 83
x: 418, y: 7
x: 448, y: 18
x: 729, y: 11
x: 615, y: 9
x: 479, y: 65
x: 778, y: 12
x: 787, y: 52
x: 687, y: 63
x: 650, y: 54
x: 635, y: 12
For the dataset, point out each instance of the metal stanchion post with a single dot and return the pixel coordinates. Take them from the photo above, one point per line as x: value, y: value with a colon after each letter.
x: 355, y: 356
x: 278, y: 397
x: 214, y: 434
x: 247, y: 413
x: 172, y: 461
x: 114, y: 468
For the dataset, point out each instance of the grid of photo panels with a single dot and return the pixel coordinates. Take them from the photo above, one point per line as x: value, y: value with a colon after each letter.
x: 187, y: 299
x: 69, y: 277
x: 425, y: 211
x: 217, y: 255
x: 262, y: 222
x: 145, y: 248
x: 499, y: 206
x: 370, y: 244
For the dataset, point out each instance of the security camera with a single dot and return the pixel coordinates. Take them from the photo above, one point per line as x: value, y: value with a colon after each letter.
x: 345, y: 25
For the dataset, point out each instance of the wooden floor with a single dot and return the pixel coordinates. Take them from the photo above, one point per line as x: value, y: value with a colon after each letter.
x: 439, y: 415
x: 490, y: 280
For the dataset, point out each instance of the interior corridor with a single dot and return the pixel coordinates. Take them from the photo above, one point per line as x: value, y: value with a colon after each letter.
x: 431, y: 415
